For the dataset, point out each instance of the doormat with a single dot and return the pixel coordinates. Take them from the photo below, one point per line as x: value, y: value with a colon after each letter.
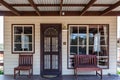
x: 49, y: 76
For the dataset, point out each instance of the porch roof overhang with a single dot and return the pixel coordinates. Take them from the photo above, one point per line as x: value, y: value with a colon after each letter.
x: 59, y: 7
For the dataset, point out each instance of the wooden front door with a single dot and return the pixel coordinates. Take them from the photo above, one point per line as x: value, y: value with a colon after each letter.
x: 50, y: 49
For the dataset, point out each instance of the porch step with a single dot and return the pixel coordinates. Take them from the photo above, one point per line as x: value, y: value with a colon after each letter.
x: 49, y: 76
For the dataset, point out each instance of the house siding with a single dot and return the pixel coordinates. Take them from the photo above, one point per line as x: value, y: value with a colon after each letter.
x: 11, y: 60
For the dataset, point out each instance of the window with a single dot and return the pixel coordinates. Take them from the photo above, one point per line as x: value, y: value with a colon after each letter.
x: 89, y: 39
x: 23, y: 38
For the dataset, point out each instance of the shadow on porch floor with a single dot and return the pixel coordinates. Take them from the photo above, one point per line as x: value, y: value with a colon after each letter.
x: 113, y: 77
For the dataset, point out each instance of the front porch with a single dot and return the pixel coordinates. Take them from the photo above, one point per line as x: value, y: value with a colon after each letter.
x: 82, y: 77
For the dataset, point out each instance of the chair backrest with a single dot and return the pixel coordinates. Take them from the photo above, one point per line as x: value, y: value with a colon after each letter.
x: 85, y: 60
x: 25, y: 60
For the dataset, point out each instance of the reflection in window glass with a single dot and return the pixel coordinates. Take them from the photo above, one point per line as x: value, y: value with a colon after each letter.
x: 17, y: 38
x: 23, y: 38
x: 103, y: 29
x: 18, y: 30
x: 103, y: 40
x: 82, y: 35
x: 89, y: 40
x: 73, y: 35
x: 82, y: 50
x: 73, y: 50
x: 17, y: 47
x: 91, y: 50
x: 27, y: 30
x: 104, y: 51
x: 93, y: 30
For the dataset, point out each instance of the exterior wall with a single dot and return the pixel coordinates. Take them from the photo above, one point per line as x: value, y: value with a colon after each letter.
x: 11, y: 60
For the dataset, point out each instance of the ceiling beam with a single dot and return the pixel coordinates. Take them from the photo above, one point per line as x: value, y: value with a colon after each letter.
x: 61, y: 3
x: 34, y: 6
x: 56, y: 13
x: 13, y: 10
x: 106, y: 11
x: 87, y: 6
x: 54, y: 5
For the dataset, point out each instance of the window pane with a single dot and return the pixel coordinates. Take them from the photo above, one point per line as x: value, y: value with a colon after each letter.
x: 17, y: 38
x: 17, y: 47
x: 18, y: 30
x: 30, y: 47
x: 104, y: 51
x: 27, y: 30
x: 82, y: 50
x: 73, y: 35
x: 26, y: 47
x: 103, y: 40
x: 30, y: 38
x: 73, y: 50
x: 82, y: 35
x: 91, y: 39
x: 26, y: 38
x: 93, y: 30
x: 103, y: 62
x: 103, y: 29
x: 91, y: 50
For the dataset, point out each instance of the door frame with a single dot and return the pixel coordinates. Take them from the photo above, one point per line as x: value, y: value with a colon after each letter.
x: 41, y: 47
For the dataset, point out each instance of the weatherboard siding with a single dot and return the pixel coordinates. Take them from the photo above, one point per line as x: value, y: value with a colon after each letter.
x: 11, y: 60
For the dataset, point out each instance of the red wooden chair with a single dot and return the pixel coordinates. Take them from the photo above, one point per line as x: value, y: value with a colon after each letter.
x: 86, y: 63
x: 25, y: 64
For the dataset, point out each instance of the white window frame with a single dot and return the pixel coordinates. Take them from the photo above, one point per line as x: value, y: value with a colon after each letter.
x: 33, y: 38
x: 87, y: 45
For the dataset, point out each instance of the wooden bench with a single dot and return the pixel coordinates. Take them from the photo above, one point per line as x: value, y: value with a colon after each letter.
x: 25, y: 64
x: 86, y: 63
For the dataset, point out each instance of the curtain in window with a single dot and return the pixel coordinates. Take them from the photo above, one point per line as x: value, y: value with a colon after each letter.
x: 97, y: 42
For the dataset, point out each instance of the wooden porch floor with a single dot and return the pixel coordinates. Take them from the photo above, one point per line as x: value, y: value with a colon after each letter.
x: 113, y: 77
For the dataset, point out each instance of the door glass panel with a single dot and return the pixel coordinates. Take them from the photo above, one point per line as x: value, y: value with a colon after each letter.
x: 50, y: 49
x: 47, y: 44
x: 54, y: 61
x: 50, y: 32
x: 54, y: 44
x: 46, y: 61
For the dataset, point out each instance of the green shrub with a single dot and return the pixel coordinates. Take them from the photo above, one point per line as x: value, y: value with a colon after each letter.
x: 1, y: 72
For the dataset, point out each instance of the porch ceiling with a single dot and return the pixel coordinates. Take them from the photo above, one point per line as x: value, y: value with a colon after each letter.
x: 60, y: 7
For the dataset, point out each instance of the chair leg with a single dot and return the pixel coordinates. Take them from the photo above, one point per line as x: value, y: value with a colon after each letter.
x: 96, y: 73
x: 19, y: 72
x: 14, y: 73
x: 75, y: 73
x: 101, y: 74
x: 29, y: 74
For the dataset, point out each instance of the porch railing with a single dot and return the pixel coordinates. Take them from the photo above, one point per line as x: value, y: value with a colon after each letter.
x: 1, y: 58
